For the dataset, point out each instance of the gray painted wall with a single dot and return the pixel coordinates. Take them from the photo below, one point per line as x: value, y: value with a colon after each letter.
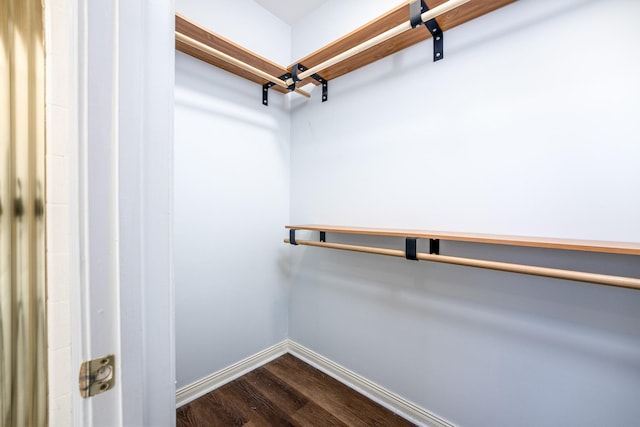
x: 231, y: 200
x: 528, y: 127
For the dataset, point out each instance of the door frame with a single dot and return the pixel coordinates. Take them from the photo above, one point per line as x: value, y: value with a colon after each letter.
x: 124, y: 156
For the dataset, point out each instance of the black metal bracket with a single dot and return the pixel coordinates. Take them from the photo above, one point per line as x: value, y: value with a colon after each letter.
x: 415, y: 11
x: 292, y: 237
x: 434, y: 246
x: 298, y: 68
x: 295, y: 70
x: 323, y: 236
x: 267, y: 86
x: 411, y: 248
x: 265, y: 92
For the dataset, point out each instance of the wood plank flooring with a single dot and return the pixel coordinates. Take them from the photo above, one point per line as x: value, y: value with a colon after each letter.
x: 286, y: 392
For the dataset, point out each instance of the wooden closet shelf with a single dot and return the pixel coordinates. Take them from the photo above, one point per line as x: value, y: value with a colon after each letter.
x: 387, y: 21
x: 394, y: 17
x: 209, y: 38
x: 629, y: 248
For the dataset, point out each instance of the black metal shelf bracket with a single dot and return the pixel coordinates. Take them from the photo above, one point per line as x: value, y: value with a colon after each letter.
x: 434, y: 246
x: 299, y: 68
x: 269, y: 85
x: 411, y: 248
x: 265, y: 92
x: 292, y: 237
x: 323, y: 236
x: 416, y: 9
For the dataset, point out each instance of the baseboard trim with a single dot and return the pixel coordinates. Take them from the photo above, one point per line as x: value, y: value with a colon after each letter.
x: 199, y: 388
x: 373, y: 391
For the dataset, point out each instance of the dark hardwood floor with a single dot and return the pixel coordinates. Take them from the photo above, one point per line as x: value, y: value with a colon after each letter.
x: 286, y: 392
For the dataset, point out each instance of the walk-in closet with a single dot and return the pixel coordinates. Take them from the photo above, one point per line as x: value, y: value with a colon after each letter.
x: 434, y: 203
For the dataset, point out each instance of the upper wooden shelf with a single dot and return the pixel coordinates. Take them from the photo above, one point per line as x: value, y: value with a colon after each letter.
x: 397, y: 16
x: 629, y: 248
x: 201, y: 34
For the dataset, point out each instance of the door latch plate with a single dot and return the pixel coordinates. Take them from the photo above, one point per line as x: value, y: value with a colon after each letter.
x: 97, y: 376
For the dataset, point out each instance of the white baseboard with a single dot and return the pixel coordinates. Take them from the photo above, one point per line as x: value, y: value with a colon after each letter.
x: 192, y: 391
x: 373, y: 391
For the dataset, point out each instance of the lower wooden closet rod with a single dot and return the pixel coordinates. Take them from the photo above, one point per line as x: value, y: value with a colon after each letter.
x: 231, y: 60
x: 599, y: 279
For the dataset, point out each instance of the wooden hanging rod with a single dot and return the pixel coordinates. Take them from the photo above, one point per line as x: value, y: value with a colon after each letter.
x: 566, y: 244
x: 599, y: 279
x: 236, y: 62
x: 381, y: 38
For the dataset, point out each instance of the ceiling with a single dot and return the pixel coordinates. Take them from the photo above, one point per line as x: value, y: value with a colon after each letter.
x: 290, y: 11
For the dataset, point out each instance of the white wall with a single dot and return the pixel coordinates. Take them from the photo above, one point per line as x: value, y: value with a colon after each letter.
x: 522, y: 120
x: 313, y: 32
x: 527, y: 127
x: 231, y: 201
x: 142, y: 107
x: 244, y: 22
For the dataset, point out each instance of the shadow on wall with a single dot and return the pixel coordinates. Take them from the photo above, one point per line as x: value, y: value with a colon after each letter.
x: 545, y: 14
x: 228, y: 102
x: 577, y: 317
x: 463, y: 342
